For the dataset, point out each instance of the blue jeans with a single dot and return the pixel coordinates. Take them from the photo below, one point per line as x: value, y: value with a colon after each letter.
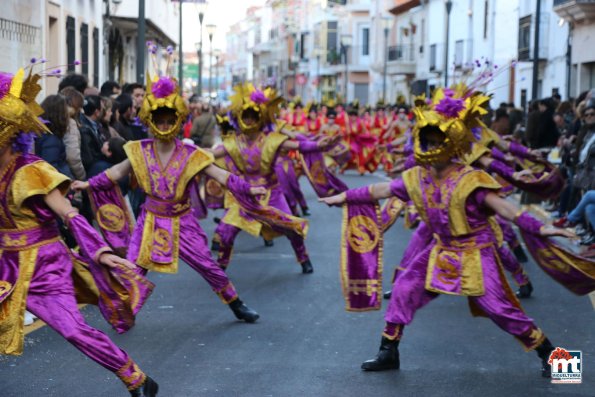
x: 585, y: 207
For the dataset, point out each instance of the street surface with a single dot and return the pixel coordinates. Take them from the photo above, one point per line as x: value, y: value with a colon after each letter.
x: 305, y: 343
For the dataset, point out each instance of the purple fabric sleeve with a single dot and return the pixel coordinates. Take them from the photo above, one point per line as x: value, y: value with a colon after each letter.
x: 398, y: 189
x: 308, y: 146
x: 498, y: 155
x: 361, y: 195
x: 410, y: 162
x: 519, y: 150
x: 101, y: 182
x: 500, y: 168
x: 90, y: 242
x: 528, y: 224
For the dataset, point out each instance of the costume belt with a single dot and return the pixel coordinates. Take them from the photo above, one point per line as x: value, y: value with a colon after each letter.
x: 19, y: 239
x: 168, y: 208
x: 479, y: 238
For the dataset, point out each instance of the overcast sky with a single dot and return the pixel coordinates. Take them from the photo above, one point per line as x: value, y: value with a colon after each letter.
x: 222, y: 13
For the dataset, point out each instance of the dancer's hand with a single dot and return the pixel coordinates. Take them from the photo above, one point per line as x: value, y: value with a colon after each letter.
x: 111, y: 260
x: 338, y: 199
x: 258, y: 191
x: 79, y: 185
x: 549, y: 231
x: 524, y: 176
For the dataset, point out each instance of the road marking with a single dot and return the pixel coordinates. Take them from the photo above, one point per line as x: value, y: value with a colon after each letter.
x: 592, y: 297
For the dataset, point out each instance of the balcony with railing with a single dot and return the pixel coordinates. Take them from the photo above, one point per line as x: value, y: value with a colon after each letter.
x: 401, y: 59
x: 402, y: 6
x: 575, y: 10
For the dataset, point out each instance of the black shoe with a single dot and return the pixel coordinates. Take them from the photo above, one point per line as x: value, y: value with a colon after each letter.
x: 520, y: 255
x: 307, y: 267
x: 305, y: 212
x: 217, y: 220
x: 581, y: 230
x: 387, y: 295
x: 387, y: 357
x: 149, y: 388
x: 215, y: 246
x: 525, y: 291
x: 588, y: 239
x: 543, y: 351
x: 243, y: 312
x: 269, y: 243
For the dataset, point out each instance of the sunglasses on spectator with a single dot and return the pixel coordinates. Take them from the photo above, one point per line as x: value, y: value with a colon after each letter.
x: 589, y: 114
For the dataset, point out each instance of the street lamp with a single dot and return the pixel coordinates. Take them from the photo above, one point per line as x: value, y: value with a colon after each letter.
x: 294, y: 63
x: 217, y: 56
x: 386, y: 23
x: 198, y: 46
x: 448, y: 5
x: 202, y: 9
x: 346, y: 41
x: 319, y: 52
x: 211, y: 31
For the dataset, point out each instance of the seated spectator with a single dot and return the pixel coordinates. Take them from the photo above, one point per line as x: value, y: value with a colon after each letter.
x: 91, y: 139
x: 501, y: 123
x: 50, y: 147
x: 110, y: 89
x: 72, y: 138
x: 126, y: 125
x: 78, y: 81
x: 106, y: 130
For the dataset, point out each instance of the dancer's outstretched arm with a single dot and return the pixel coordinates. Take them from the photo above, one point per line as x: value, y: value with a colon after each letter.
x: 116, y: 173
x: 378, y: 191
x: 221, y: 176
x: 62, y: 207
x: 509, y: 211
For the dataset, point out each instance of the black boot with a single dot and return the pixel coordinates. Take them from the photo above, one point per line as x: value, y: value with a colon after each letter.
x: 215, y: 246
x: 387, y: 295
x: 305, y: 212
x: 525, y: 291
x: 387, y: 357
x: 268, y: 243
x: 217, y: 220
x: 519, y: 252
x: 307, y: 267
x: 543, y: 351
x: 149, y: 388
x: 243, y: 312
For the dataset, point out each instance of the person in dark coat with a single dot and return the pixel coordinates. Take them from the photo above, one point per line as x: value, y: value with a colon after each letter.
x: 50, y: 147
x: 91, y: 138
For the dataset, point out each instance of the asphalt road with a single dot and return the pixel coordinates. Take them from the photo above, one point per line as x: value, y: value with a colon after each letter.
x: 305, y: 343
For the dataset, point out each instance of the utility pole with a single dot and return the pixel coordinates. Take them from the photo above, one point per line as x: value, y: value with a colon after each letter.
x: 141, y: 46
x: 534, y: 87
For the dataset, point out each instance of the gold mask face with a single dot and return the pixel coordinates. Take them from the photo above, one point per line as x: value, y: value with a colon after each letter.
x: 254, y: 114
x: 168, y: 134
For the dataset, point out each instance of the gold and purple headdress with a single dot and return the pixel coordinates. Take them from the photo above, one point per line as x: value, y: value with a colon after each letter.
x: 19, y: 113
x: 264, y: 103
x: 162, y: 92
x: 457, y: 113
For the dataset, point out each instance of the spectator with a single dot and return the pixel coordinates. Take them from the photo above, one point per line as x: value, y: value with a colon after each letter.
x: 584, y: 210
x: 125, y: 124
x: 91, y: 91
x: 203, y: 128
x: 50, y: 147
x: 105, y: 128
x: 194, y: 110
x: 137, y: 92
x: 585, y: 152
x: 72, y: 138
x: 501, y: 123
x: 547, y: 131
x: 110, y: 89
x: 515, y: 116
x: 78, y: 81
x: 531, y: 131
x: 91, y: 139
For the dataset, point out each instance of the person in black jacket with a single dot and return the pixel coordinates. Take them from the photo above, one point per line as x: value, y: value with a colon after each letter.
x: 91, y: 138
x: 50, y: 147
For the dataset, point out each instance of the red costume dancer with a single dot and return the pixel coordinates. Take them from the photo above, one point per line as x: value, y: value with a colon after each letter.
x: 362, y: 144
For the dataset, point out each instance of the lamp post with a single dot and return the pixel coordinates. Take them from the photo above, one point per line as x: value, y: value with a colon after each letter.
x: 346, y: 41
x: 319, y: 52
x: 141, y: 46
x: 386, y: 22
x: 217, y: 56
x: 211, y: 31
x: 294, y: 63
x: 448, y: 5
x: 198, y: 46
x: 202, y: 8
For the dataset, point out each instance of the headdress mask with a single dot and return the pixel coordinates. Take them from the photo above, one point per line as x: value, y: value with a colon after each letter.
x: 264, y: 105
x: 162, y: 92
